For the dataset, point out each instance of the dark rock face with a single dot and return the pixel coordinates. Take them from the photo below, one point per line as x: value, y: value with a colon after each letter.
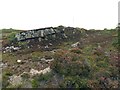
x: 42, y: 33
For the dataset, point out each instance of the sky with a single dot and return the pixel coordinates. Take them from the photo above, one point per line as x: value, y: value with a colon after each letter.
x: 33, y: 14
x: 119, y: 12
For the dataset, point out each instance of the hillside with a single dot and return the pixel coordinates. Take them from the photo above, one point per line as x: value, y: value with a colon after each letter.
x: 84, y: 59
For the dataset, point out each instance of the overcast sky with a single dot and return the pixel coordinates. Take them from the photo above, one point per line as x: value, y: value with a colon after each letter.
x: 31, y: 14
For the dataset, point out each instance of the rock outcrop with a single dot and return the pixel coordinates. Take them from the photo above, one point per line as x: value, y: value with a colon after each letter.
x: 42, y: 33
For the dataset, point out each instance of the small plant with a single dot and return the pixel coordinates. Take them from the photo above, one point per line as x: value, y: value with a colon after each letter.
x: 11, y: 37
x: 76, y: 50
x: 35, y: 83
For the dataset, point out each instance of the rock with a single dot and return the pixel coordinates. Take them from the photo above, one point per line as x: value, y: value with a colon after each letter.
x: 4, y: 51
x: 75, y: 44
x: 43, y: 59
x: 65, y: 36
x: 16, y: 48
x: 47, y: 60
x: 15, y: 80
x: 46, y: 46
x: 44, y: 71
x: 34, y: 72
x: 2, y: 65
x: 50, y: 44
x: 11, y: 48
x: 53, y: 51
x: 28, y: 47
x: 19, y: 61
x: 38, y: 33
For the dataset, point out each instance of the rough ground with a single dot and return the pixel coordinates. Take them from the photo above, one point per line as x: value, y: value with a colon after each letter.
x: 87, y: 47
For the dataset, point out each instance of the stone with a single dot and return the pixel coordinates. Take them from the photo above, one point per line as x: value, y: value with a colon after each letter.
x: 50, y: 44
x: 46, y: 46
x: 4, y: 51
x: 2, y: 65
x: 43, y: 59
x: 75, y: 44
x: 16, y: 48
x: 15, y: 80
x: 34, y: 72
x: 11, y: 48
x: 49, y: 60
x: 44, y: 71
x: 19, y: 61
x: 65, y: 36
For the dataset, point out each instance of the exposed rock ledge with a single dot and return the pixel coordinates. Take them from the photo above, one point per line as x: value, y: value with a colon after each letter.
x: 34, y: 72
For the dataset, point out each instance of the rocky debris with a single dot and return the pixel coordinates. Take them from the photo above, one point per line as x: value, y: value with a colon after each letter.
x: 15, y: 80
x: 34, y: 72
x: 10, y: 49
x: 2, y: 65
x: 46, y: 46
x: 75, y: 44
x: 16, y: 48
x: 47, y: 60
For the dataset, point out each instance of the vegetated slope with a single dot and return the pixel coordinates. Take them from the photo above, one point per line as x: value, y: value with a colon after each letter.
x: 85, y: 59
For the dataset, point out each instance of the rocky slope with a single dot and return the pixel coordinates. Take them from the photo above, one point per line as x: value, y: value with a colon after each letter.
x: 84, y: 59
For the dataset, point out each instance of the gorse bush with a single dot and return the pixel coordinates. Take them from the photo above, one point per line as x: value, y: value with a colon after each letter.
x: 11, y: 37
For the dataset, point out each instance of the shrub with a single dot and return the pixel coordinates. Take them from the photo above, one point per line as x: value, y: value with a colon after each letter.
x: 74, y: 82
x: 69, y: 65
x: 11, y: 37
x: 76, y: 50
x: 41, y: 78
x: 45, y: 77
x: 35, y: 83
